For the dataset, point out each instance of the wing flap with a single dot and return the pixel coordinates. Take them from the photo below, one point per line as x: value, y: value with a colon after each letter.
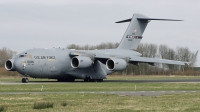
x: 154, y: 60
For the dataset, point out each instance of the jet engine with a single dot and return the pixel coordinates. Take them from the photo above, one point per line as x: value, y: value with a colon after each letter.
x: 9, y: 65
x: 116, y: 64
x: 81, y: 62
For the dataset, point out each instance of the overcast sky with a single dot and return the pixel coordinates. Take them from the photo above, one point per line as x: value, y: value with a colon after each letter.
x: 26, y: 24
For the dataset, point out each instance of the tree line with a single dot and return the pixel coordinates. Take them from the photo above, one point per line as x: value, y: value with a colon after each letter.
x: 146, y: 49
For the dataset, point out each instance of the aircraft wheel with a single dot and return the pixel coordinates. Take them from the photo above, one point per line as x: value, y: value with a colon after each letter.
x: 91, y: 80
x: 86, y: 80
x: 70, y: 80
x: 95, y: 80
x: 25, y: 80
x: 59, y: 80
x: 100, y: 80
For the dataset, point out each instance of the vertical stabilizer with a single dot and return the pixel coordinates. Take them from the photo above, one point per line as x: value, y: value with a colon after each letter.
x: 133, y: 34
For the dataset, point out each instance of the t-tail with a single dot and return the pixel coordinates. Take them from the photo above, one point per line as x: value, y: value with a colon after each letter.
x: 133, y: 34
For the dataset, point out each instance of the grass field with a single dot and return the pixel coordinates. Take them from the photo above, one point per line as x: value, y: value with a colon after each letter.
x: 102, y: 102
x: 108, y: 86
x: 187, y: 102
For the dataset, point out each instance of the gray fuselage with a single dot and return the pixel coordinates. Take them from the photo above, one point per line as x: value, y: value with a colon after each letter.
x: 56, y: 62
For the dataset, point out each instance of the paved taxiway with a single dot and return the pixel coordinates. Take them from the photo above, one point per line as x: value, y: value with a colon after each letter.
x: 121, y: 93
x: 107, y: 80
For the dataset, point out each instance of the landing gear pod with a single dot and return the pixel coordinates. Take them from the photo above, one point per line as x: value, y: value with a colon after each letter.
x: 116, y: 64
x: 9, y: 65
x: 81, y: 62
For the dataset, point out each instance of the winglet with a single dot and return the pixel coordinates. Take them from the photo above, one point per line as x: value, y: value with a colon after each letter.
x: 193, y: 59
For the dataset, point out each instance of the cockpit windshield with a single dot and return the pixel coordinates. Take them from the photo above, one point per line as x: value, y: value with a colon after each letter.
x: 27, y: 56
x: 21, y: 56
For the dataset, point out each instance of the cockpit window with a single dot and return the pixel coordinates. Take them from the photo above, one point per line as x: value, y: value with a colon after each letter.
x: 21, y: 55
x: 27, y: 56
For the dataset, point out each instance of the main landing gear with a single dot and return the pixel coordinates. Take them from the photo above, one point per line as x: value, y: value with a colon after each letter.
x: 25, y: 80
x: 93, y: 80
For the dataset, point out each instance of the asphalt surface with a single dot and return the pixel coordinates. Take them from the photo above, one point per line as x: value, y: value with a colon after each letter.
x: 107, y: 80
x: 159, y: 80
x: 121, y: 93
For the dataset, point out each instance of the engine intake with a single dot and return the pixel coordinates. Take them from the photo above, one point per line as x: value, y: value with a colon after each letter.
x: 116, y: 64
x: 81, y: 62
x: 9, y: 65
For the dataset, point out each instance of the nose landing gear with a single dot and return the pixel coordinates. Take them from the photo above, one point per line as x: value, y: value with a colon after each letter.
x: 25, y: 80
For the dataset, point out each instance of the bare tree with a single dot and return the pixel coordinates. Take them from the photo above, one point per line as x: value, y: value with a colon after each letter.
x: 5, y: 54
x: 92, y: 47
x: 147, y: 50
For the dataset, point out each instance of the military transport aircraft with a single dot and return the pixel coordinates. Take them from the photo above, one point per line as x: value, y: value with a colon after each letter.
x: 90, y: 65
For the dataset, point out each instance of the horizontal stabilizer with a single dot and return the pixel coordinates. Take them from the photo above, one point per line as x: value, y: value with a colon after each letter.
x: 128, y: 20
x: 158, y: 19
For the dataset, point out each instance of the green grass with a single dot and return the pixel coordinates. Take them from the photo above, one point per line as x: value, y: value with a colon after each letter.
x: 43, y: 105
x: 3, y: 108
x: 64, y: 104
x: 103, y: 102
x: 187, y: 102
x: 106, y: 86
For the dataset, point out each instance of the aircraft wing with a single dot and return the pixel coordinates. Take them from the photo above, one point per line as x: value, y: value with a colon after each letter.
x: 154, y: 60
x: 136, y: 59
x: 103, y: 57
x: 133, y: 59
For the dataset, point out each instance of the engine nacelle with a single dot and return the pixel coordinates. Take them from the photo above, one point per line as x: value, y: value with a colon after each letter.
x: 9, y: 65
x: 116, y: 64
x: 81, y: 62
